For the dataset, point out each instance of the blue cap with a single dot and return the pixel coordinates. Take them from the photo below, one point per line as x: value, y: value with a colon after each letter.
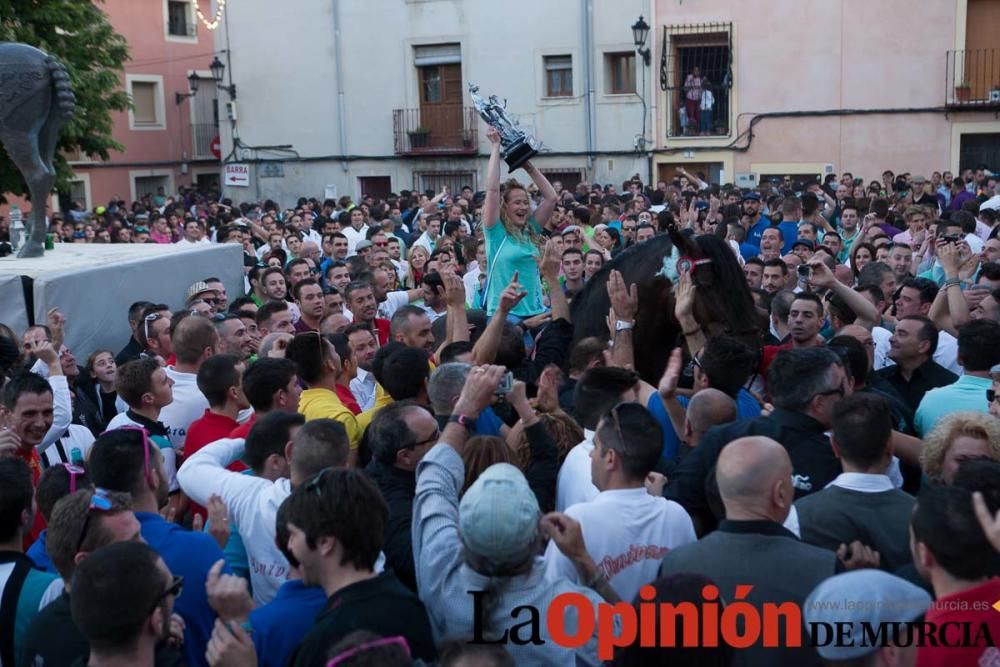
x: 752, y: 196
x: 862, y: 596
x: 498, y: 515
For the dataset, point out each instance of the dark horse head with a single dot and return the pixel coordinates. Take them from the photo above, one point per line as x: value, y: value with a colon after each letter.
x: 723, y: 301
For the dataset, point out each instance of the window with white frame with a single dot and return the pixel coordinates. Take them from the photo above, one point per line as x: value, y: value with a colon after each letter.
x: 179, y: 21
x: 619, y: 73
x: 558, y: 76
x: 147, y: 111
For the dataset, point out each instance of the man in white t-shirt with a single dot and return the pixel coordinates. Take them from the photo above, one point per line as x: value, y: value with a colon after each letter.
x: 626, y: 528
x: 283, y: 452
x: 597, y: 390
x: 355, y: 232
x: 194, y: 340
x: 194, y: 234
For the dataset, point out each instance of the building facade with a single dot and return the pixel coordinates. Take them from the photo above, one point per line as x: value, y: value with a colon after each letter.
x: 167, y: 135
x: 810, y: 88
x: 360, y: 97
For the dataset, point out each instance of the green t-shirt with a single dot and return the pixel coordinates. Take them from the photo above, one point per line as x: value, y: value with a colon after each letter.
x: 506, y: 254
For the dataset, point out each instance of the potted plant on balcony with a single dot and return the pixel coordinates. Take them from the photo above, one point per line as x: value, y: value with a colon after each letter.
x: 419, y: 137
x: 963, y: 91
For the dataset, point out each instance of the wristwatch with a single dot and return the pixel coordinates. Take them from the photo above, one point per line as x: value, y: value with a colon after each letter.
x: 623, y: 325
x: 462, y: 420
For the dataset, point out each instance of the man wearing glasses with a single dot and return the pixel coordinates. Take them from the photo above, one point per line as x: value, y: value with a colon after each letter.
x: 805, y: 384
x: 79, y: 525
x: 154, y: 333
x: 126, y: 461
x: 125, y: 629
x: 201, y: 290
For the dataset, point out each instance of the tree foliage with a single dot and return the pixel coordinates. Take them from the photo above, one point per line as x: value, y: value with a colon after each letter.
x: 78, y: 33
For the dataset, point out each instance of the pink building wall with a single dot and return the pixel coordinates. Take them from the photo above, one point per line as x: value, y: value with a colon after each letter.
x: 812, y: 55
x: 155, y: 152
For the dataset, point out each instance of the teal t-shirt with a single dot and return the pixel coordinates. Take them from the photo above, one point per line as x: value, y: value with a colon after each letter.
x: 503, y: 258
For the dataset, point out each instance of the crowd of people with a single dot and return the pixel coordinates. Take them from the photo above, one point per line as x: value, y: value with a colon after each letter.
x: 396, y: 443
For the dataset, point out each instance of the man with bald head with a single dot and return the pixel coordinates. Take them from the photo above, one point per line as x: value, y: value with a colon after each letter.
x: 708, y: 408
x: 752, y: 548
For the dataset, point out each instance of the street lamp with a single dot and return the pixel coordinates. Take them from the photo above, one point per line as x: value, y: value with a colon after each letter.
x: 218, y: 68
x: 193, y: 82
x: 640, y: 31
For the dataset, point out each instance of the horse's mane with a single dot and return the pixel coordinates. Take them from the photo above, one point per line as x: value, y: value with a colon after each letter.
x: 724, y: 301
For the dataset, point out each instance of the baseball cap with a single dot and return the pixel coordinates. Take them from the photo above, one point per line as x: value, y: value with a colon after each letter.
x: 498, y: 515
x: 362, y: 245
x: 79, y: 235
x: 752, y: 196
x: 141, y: 230
x: 197, y: 288
x: 806, y: 243
x: 100, y: 210
x: 862, y: 596
x: 918, y: 180
x: 570, y: 228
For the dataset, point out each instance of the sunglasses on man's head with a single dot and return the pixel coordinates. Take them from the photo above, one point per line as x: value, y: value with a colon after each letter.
x: 74, y: 472
x: 99, y: 502
x: 152, y: 317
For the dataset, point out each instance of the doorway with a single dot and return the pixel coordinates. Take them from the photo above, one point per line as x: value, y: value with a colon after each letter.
x: 441, y: 104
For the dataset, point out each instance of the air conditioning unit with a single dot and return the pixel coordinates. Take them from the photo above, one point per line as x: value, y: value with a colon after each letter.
x: 231, y: 110
x: 746, y: 179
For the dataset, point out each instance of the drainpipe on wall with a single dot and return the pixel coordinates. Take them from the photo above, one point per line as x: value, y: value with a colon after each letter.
x: 588, y: 81
x: 341, y: 122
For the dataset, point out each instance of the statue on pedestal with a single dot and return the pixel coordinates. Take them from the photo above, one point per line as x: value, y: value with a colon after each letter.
x: 36, y: 99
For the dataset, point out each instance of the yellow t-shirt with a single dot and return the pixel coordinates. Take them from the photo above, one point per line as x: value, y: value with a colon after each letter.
x: 382, y: 399
x: 322, y: 403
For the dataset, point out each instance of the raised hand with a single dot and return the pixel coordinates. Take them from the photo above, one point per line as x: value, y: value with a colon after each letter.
x: 230, y: 646
x: 550, y: 262
x: 454, y: 289
x: 511, y: 296
x: 227, y: 594
x: 547, y: 398
x: 624, y: 298
x: 566, y: 533
x: 821, y: 275
x: 672, y: 375
x: 684, y: 294
x: 493, y: 135
x: 479, y: 390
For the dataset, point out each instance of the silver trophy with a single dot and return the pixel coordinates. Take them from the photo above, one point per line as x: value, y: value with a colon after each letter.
x: 517, y: 145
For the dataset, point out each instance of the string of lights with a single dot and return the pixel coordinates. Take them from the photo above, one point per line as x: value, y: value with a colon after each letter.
x: 220, y: 9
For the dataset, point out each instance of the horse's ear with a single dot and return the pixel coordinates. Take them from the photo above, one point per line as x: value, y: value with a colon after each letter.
x: 685, y: 244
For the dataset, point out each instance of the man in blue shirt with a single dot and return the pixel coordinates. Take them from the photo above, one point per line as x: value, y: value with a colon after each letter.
x: 125, y: 460
x: 791, y: 216
x: 279, y: 626
x: 725, y: 364
x: 758, y: 221
x: 978, y: 352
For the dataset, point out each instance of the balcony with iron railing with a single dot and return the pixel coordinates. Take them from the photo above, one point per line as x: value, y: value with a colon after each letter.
x: 436, y: 130
x: 972, y: 78
x: 202, y: 135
